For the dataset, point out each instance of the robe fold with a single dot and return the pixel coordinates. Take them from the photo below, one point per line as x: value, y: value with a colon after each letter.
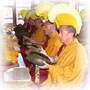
x: 46, y: 42
x: 70, y: 68
x: 39, y: 36
x: 53, y: 46
x: 51, y: 49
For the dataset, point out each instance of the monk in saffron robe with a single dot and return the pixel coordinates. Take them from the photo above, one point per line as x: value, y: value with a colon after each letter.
x: 69, y: 70
x: 31, y: 28
x: 51, y: 46
x: 38, y: 37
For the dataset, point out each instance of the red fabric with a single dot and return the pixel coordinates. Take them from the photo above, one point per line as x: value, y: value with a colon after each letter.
x: 32, y: 72
x: 59, y: 51
x: 43, y: 73
x: 33, y: 29
x: 26, y: 25
x: 46, y: 42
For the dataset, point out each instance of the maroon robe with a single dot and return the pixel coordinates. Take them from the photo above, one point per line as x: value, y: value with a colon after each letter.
x: 27, y: 64
x: 46, y: 42
x: 43, y: 73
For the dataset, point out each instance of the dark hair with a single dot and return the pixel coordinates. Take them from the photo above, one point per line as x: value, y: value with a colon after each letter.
x: 39, y: 20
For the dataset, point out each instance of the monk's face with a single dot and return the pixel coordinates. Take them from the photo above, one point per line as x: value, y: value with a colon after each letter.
x: 47, y: 29
x: 63, y: 34
x: 31, y: 21
x: 38, y: 23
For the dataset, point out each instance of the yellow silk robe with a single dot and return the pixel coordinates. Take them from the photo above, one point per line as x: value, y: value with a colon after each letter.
x: 70, y: 68
x: 39, y: 35
x: 53, y: 45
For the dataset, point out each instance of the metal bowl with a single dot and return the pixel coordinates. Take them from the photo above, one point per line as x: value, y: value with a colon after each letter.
x: 37, y: 58
x: 28, y: 43
x: 31, y: 49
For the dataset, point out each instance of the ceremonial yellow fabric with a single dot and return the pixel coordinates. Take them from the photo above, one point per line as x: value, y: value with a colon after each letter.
x: 43, y: 8
x: 66, y: 19
x: 23, y: 13
x: 53, y: 45
x: 10, y: 55
x: 61, y: 13
x: 34, y: 16
x: 39, y: 35
x: 45, y: 15
x: 70, y: 68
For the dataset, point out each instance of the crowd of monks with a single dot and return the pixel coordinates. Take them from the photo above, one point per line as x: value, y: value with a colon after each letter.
x: 56, y: 35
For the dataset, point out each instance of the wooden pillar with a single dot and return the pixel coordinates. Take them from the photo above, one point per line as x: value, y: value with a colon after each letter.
x: 14, y: 13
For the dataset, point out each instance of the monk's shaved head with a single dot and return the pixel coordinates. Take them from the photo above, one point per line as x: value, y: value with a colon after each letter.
x: 50, y: 28
x: 69, y: 29
x: 49, y: 24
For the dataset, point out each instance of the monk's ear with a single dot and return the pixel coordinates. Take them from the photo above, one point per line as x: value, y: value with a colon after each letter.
x: 71, y: 34
x: 75, y: 34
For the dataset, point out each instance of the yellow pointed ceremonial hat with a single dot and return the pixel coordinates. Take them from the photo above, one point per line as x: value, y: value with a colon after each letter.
x: 31, y: 12
x: 43, y: 8
x: 23, y: 13
x: 63, y: 14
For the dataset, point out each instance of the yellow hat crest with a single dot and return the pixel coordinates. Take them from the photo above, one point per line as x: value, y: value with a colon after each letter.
x: 43, y: 8
x: 63, y: 14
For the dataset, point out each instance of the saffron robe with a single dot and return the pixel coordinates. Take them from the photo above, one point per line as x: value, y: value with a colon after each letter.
x: 51, y: 49
x: 39, y: 35
x: 53, y: 46
x: 70, y: 68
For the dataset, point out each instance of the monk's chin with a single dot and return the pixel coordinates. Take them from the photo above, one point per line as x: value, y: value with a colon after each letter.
x: 61, y: 40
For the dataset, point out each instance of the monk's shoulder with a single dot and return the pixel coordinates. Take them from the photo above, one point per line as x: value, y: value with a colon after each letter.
x: 80, y: 48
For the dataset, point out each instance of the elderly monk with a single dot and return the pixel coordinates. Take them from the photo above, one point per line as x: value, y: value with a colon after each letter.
x: 37, y: 39
x: 53, y: 42
x: 69, y: 67
x: 31, y: 28
x: 51, y: 45
x: 71, y: 64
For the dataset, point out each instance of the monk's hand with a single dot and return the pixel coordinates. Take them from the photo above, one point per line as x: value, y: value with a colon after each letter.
x: 26, y: 38
x: 32, y: 41
x: 53, y: 59
x: 46, y: 66
x: 43, y: 51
